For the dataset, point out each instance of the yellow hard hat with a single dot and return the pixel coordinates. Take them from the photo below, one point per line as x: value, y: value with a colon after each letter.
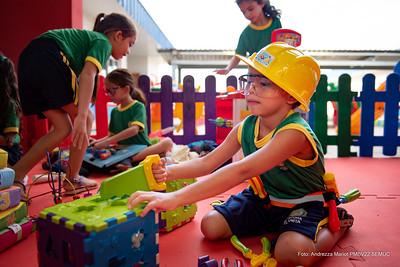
x: 287, y: 67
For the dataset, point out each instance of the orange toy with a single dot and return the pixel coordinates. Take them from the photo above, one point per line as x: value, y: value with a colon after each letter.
x: 355, y: 125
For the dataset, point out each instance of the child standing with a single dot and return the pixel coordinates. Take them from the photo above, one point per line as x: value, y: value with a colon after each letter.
x: 10, y: 110
x: 264, y: 18
x: 50, y: 69
x: 128, y: 123
x: 283, y: 160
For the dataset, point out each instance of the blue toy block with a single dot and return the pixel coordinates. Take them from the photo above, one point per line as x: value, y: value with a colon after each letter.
x: 122, y: 241
x: 7, y: 176
x: 100, y: 230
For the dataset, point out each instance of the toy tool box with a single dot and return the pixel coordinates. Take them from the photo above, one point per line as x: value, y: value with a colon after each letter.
x: 100, y: 230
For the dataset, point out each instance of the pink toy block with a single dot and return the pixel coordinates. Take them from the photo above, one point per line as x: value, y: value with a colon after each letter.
x: 15, y: 233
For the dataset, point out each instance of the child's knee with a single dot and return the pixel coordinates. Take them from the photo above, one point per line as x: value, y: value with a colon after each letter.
x: 214, y: 226
x: 294, y: 249
x: 168, y: 143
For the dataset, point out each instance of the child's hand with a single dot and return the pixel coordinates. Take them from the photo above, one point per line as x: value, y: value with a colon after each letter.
x: 155, y: 201
x: 159, y: 171
x: 221, y: 71
x: 101, y: 144
x: 92, y: 141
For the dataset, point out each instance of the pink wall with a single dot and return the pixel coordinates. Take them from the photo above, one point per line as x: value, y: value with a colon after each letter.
x: 23, y: 20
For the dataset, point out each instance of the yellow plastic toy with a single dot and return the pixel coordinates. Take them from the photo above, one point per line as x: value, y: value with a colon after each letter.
x: 264, y: 259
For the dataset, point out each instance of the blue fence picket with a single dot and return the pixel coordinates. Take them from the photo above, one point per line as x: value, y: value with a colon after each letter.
x: 368, y: 98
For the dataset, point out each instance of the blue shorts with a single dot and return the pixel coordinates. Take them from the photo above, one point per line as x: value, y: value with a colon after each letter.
x: 248, y: 215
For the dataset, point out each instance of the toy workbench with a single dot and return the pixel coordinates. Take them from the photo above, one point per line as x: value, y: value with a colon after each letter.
x: 118, y: 154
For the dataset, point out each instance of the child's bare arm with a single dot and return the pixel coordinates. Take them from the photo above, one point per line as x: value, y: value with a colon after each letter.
x: 115, y: 138
x: 284, y: 145
x: 86, y: 84
x: 232, y: 63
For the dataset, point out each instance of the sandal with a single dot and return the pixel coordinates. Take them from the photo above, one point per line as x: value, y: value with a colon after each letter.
x: 346, y: 219
x: 78, y: 185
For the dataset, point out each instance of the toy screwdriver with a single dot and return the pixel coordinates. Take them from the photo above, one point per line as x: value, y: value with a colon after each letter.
x: 350, y: 196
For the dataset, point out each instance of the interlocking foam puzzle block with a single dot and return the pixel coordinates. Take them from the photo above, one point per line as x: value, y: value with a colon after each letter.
x: 7, y: 176
x: 97, y: 232
x: 10, y: 197
x: 172, y: 219
x: 15, y: 233
x: 13, y: 215
x: 100, y: 231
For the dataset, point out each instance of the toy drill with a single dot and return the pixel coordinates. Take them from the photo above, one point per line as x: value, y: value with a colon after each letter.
x: 333, y: 198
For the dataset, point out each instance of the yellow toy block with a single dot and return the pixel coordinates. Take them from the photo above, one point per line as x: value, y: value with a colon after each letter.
x: 3, y: 158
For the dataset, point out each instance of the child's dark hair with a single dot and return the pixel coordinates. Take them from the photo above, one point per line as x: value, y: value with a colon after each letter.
x: 269, y: 10
x: 8, y: 88
x: 122, y: 77
x: 114, y: 22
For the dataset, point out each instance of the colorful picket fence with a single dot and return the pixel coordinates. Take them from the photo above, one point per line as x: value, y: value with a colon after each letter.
x: 368, y: 98
x: 317, y: 116
x: 188, y: 97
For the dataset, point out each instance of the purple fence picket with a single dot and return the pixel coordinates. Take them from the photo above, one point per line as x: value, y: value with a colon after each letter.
x: 166, y: 97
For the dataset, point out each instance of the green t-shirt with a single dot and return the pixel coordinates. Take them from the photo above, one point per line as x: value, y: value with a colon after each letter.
x: 253, y: 37
x: 295, y: 177
x: 11, y: 125
x: 80, y: 46
x: 123, y: 118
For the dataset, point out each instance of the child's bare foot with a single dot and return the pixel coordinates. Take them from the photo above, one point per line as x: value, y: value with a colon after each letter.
x: 120, y: 167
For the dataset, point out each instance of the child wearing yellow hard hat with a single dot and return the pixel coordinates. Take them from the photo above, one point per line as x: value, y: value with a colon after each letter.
x: 283, y: 163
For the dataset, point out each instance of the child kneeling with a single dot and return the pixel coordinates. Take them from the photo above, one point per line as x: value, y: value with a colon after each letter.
x: 283, y: 162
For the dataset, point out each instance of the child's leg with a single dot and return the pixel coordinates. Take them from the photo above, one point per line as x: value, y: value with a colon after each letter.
x: 62, y: 127
x: 294, y: 249
x: 163, y: 146
x: 76, y: 155
x: 232, y: 217
x: 214, y: 226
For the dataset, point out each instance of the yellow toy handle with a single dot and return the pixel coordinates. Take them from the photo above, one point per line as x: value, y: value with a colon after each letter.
x: 147, y: 163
